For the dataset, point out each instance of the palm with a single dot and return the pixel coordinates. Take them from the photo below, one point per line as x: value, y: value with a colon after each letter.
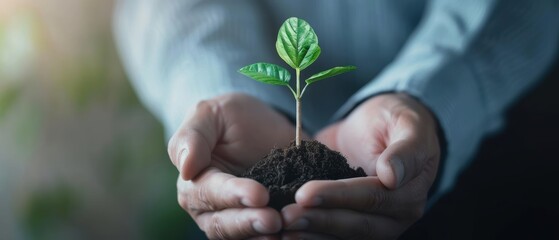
x: 248, y: 130
x: 376, y: 125
x: 360, y: 138
x: 393, y: 137
x: 223, y: 137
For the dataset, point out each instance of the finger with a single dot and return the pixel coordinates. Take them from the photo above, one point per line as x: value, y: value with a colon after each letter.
x: 267, y: 237
x: 341, y: 223
x: 297, y: 235
x: 239, y: 223
x: 366, y: 194
x: 402, y: 161
x: 214, y: 190
x: 190, y: 148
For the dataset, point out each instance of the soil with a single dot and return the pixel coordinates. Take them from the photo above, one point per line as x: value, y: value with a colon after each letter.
x: 284, y: 170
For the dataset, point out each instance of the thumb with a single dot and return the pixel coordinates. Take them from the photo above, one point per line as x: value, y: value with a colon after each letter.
x: 190, y: 148
x: 399, y: 163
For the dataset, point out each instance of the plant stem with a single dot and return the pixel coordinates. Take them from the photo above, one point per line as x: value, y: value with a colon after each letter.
x: 298, y: 114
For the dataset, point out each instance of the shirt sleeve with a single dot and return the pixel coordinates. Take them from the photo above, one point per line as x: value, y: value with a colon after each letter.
x: 179, y: 52
x: 467, y: 61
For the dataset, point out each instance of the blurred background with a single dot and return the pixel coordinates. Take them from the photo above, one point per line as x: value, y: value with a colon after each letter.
x: 80, y: 158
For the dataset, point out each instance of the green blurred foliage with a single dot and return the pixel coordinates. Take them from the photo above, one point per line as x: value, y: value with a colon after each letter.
x: 48, y: 208
x: 46, y: 112
x: 8, y: 97
x: 85, y: 83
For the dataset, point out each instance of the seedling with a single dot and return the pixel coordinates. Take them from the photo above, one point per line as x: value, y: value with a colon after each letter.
x: 297, y: 45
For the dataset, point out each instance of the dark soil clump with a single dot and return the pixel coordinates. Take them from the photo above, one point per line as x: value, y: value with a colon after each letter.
x: 283, y: 171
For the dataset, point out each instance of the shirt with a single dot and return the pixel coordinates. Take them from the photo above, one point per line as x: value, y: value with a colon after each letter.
x: 467, y: 61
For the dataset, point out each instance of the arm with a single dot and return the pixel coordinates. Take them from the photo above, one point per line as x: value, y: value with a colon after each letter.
x: 180, y: 52
x: 468, y: 61
x: 183, y: 56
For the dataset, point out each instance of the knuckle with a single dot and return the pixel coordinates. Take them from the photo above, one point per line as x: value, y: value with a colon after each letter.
x: 210, y: 106
x: 216, y: 229
x: 374, y: 200
x: 243, y: 228
x: 412, y: 214
x: 203, y: 201
x: 416, y: 213
x: 203, y: 105
x: 408, y: 114
x: 193, y: 199
x: 186, y: 202
x: 327, y: 221
x: 367, y: 229
x: 182, y: 202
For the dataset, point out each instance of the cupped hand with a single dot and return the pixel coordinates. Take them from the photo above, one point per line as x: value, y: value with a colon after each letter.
x: 394, y: 138
x: 218, y: 141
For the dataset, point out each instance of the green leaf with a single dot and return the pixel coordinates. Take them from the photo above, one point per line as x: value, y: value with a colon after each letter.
x: 329, y: 73
x: 297, y: 43
x: 267, y: 73
x: 311, y: 55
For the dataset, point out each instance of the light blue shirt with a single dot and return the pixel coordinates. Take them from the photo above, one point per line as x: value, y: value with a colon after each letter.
x: 467, y: 60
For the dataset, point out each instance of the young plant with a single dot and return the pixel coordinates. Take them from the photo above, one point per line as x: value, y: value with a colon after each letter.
x: 297, y: 45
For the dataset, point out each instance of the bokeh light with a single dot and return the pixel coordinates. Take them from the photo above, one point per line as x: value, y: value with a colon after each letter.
x: 80, y: 157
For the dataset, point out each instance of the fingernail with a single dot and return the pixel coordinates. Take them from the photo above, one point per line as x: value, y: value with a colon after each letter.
x: 299, y: 224
x: 398, y: 167
x: 182, y: 157
x: 259, y: 227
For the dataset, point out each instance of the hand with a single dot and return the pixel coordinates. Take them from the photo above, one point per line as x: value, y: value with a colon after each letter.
x: 223, y: 137
x: 394, y: 138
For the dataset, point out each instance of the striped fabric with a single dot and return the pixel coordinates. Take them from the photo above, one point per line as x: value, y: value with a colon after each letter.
x: 466, y: 60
